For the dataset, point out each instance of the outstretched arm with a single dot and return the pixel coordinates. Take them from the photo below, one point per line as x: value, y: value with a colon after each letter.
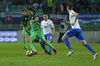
x: 65, y: 20
x: 36, y: 19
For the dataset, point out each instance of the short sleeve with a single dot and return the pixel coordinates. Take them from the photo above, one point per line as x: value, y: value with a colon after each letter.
x: 52, y: 25
x: 71, y: 13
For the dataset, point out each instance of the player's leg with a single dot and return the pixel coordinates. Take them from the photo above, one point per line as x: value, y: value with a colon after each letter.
x: 24, y: 37
x: 41, y: 36
x: 49, y: 39
x: 43, y: 46
x: 65, y: 40
x: 31, y: 43
x: 29, y: 33
x: 81, y: 38
x: 50, y: 45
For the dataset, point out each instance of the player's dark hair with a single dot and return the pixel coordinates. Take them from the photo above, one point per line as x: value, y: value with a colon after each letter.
x: 45, y: 13
x: 23, y: 10
x: 70, y: 6
x: 31, y: 9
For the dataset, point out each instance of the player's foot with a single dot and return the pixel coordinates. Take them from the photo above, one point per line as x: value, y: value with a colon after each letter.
x: 34, y: 52
x: 45, y: 52
x: 25, y: 48
x: 70, y: 52
x: 49, y: 53
x: 95, y: 56
x: 55, y: 51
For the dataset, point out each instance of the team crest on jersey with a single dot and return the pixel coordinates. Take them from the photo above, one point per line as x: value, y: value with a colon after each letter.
x: 8, y: 19
x: 25, y: 18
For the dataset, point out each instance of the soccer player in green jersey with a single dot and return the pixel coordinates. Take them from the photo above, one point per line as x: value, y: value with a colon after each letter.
x: 36, y: 31
x: 24, y: 20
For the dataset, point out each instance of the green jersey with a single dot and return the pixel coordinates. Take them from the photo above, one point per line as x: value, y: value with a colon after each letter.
x: 25, y: 20
x: 35, y: 26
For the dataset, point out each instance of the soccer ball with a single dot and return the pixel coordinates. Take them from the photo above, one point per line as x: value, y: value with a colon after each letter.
x: 28, y: 53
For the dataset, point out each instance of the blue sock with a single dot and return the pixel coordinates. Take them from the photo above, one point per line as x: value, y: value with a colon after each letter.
x: 67, y: 43
x: 89, y: 48
x: 42, y: 45
x: 50, y: 49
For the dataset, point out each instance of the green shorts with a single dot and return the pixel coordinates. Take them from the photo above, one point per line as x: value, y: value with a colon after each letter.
x: 24, y: 30
x: 29, y: 32
x: 39, y: 35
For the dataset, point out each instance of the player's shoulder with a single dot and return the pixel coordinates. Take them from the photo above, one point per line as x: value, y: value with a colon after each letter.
x: 49, y: 20
x: 42, y: 21
x: 72, y: 12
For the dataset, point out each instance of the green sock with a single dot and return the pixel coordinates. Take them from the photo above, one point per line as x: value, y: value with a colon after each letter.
x: 25, y: 42
x: 33, y: 43
x: 32, y: 46
x: 49, y: 44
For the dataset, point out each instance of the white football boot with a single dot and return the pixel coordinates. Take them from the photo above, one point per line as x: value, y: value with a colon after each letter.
x: 70, y: 52
x: 95, y: 56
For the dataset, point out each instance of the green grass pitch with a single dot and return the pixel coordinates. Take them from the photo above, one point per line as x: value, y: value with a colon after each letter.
x: 13, y: 54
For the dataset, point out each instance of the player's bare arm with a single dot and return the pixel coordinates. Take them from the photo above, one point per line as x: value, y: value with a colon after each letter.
x: 36, y: 19
x: 21, y: 24
x: 65, y: 20
x: 76, y: 17
x: 28, y: 25
x: 53, y: 30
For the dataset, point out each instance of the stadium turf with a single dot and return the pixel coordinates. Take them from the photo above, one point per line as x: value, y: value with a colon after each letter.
x: 13, y: 54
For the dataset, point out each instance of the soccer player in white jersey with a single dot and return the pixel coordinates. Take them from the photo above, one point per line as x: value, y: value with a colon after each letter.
x: 75, y: 31
x: 48, y: 30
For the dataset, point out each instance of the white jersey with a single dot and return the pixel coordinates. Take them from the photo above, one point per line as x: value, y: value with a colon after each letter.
x: 72, y: 19
x: 47, y: 26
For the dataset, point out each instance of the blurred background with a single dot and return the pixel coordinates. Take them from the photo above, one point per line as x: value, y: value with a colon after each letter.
x: 89, y: 18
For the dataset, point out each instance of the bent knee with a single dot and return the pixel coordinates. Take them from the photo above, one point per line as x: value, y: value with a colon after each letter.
x: 45, y: 42
x: 30, y: 39
x: 40, y: 41
x: 48, y: 41
x: 83, y: 42
x: 24, y: 36
x: 64, y: 37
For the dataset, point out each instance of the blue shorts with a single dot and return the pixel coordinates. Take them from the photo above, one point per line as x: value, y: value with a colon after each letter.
x: 48, y: 36
x: 75, y: 32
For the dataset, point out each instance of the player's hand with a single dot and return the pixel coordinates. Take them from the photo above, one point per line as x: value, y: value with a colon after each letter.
x: 51, y: 33
x: 32, y: 21
x: 73, y: 24
x: 21, y: 25
x: 65, y: 20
